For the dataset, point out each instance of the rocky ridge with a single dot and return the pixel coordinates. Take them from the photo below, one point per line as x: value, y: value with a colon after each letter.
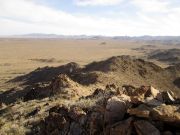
x: 119, y: 93
x: 141, y: 111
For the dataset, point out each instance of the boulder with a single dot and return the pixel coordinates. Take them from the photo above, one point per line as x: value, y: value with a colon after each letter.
x: 115, y: 110
x: 122, y: 127
x: 140, y: 111
x: 166, y: 113
x: 143, y: 127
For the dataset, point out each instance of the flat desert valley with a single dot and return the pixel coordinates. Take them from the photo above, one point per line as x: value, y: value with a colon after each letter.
x: 20, y: 56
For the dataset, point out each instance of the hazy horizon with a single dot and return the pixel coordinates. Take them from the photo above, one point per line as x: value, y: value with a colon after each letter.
x: 85, y: 35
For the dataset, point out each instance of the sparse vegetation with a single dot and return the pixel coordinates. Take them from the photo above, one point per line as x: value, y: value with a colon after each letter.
x: 28, y: 96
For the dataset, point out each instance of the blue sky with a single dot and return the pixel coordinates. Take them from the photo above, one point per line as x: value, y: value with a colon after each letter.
x: 90, y: 17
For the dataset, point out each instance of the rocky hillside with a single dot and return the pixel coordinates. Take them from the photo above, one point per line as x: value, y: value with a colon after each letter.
x: 110, y: 97
x: 120, y: 70
x: 171, y: 56
x: 132, y: 111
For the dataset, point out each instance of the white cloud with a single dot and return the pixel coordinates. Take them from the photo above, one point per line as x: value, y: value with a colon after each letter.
x: 152, y: 5
x: 97, y: 2
x: 25, y: 16
x: 158, y: 17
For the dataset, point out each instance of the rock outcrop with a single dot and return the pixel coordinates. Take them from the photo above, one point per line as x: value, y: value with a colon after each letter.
x: 118, y: 114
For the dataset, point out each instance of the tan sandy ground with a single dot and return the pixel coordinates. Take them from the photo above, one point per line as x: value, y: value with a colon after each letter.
x: 15, y: 54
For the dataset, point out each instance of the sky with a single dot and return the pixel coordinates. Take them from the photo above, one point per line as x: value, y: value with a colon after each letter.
x: 90, y: 17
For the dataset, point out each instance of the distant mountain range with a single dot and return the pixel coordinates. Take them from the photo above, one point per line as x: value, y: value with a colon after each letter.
x: 145, y: 38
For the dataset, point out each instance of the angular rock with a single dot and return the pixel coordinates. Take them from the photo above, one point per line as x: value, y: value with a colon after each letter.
x: 115, y: 110
x: 168, y: 97
x: 155, y: 93
x: 140, y: 111
x: 122, y: 127
x: 145, y: 128
x: 166, y: 113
